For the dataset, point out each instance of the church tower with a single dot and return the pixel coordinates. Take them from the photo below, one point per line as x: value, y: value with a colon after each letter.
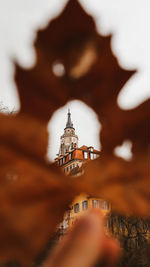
x: 69, y: 140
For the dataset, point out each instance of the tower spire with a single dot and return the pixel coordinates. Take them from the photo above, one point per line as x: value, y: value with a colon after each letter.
x: 69, y: 124
x: 69, y: 140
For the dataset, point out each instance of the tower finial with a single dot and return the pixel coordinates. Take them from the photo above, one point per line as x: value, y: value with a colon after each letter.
x: 69, y: 124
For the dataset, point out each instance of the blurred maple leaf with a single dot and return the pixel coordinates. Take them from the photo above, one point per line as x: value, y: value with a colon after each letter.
x: 35, y: 194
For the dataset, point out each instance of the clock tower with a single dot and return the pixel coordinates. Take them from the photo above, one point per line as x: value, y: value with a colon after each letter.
x: 69, y: 140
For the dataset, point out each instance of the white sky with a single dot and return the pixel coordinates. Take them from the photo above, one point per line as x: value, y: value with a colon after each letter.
x: 85, y: 122
x: 129, y: 22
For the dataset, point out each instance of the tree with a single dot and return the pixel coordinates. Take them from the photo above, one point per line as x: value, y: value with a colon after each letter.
x: 134, y: 235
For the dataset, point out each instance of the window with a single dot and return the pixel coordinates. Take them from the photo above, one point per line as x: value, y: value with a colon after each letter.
x: 91, y: 156
x: 70, y: 167
x: 60, y: 162
x: 106, y: 205
x: 85, y: 155
x: 84, y: 205
x: 73, y: 165
x: 70, y: 156
x: 95, y: 203
x: 96, y: 156
x: 76, y: 208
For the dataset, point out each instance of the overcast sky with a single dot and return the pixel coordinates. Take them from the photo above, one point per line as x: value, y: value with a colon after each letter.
x: 129, y: 22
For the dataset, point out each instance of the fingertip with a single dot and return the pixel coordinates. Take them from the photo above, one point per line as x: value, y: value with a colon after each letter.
x: 112, y: 249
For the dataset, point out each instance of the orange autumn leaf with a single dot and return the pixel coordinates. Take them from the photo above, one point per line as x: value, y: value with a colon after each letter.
x: 34, y: 194
x: 125, y: 184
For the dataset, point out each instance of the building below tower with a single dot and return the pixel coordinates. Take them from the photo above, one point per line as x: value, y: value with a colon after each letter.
x: 71, y: 160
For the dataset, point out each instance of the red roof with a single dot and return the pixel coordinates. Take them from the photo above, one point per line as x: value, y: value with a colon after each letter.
x: 78, y: 154
x: 86, y: 148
